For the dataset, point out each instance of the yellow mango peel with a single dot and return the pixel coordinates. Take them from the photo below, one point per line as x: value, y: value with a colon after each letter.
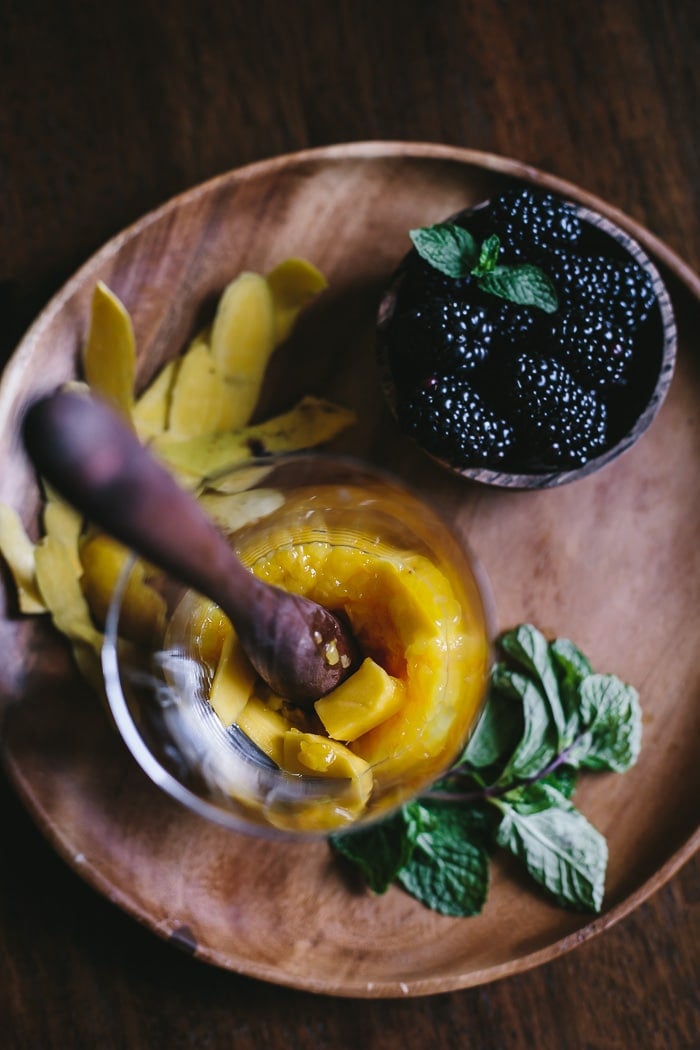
x: 18, y: 551
x: 242, y: 340
x: 311, y: 422
x: 193, y: 415
x: 109, y: 355
x: 293, y: 283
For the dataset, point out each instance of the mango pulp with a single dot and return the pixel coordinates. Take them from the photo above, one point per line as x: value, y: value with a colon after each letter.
x: 404, y: 715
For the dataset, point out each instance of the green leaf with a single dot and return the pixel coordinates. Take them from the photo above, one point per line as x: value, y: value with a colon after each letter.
x: 446, y: 247
x: 538, y: 743
x: 612, y: 720
x: 380, y: 851
x: 570, y: 665
x: 488, y: 256
x: 529, y: 649
x: 560, y: 849
x: 449, y: 868
x: 524, y: 284
x: 498, y: 730
x: 563, y: 778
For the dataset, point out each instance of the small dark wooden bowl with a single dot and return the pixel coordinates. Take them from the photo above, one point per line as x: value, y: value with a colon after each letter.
x: 655, y: 358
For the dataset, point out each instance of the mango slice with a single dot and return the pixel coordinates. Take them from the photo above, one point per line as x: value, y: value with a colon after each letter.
x: 62, y: 594
x: 66, y: 524
x: 360, y: 703
x: 265, y: 727
x: 237, y: 480
x: 293, y: 284
x: 151, y: 410
x: 199, y: 400
x: 233, y: 681
x: 18, y: 551
x: 231, y: 511
x: 109, y: 355
x: 310, y: 754
x: 143, y: 609
x: 242, y: 340
x: 210, y: 628
x: 311, y: 422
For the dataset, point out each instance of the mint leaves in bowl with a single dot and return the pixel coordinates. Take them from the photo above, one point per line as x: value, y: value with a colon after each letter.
x: 525, y: 342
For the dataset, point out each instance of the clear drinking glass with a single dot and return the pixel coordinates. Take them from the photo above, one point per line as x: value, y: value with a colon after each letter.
x: 358, y: 541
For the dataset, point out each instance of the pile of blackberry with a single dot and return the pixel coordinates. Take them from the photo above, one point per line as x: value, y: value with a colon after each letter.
x: 482, y: 382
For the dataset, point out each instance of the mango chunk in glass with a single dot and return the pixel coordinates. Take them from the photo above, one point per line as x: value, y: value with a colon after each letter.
x: 360, y: 703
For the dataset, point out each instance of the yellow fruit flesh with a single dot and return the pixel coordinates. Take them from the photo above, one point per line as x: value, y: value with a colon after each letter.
x: 143, y: 610
x: 396, y: 723
x: 233, y: 682
x: 405, y: 615
x: 360, y: 703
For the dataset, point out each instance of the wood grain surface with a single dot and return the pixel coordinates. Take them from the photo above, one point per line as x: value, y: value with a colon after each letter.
x: 107, y: 115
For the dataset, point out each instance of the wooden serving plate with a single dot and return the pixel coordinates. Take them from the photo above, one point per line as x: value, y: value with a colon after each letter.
x: 611, y: 561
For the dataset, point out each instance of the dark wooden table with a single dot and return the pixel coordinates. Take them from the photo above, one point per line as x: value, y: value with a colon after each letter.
x: 106, y: 111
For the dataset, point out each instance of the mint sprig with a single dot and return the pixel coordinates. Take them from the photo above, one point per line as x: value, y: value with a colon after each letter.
x: 547, y: 716
x: 455, y: 252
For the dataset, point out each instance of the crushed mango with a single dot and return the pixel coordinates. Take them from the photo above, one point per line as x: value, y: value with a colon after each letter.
x: 400, y: 718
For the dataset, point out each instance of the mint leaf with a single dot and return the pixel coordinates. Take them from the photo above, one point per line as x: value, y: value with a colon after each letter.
x: 488, y: 256
x: 448, y: 248
x: 612, y: 720
x: 570, y: 664
x: 546, y: 716
x: 563, y: 778
x: 498, y: 730
x: 381, y: 850
x: 449, y: 867
x: 538, y: 743
x: 524, y: 284
x: 560, y: 849
x: 529, y: 649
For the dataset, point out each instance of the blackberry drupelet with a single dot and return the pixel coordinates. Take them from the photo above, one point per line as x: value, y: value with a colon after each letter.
x: 451, y: 421
x: 513, y: 325
x: 532, y: 224
x: 621, y: 290
x: 596, y: 350
x: 564, y: 424
x: 451, y: 335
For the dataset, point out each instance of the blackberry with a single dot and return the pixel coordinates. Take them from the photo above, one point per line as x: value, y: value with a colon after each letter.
x: 621, y: 290
x: 513, y: 325
x: 532, y: 224
x: 452, y: 422
x: 441, y: 336
x: 563, y: 424
x: 419, y: 283
x: 596, y: 350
